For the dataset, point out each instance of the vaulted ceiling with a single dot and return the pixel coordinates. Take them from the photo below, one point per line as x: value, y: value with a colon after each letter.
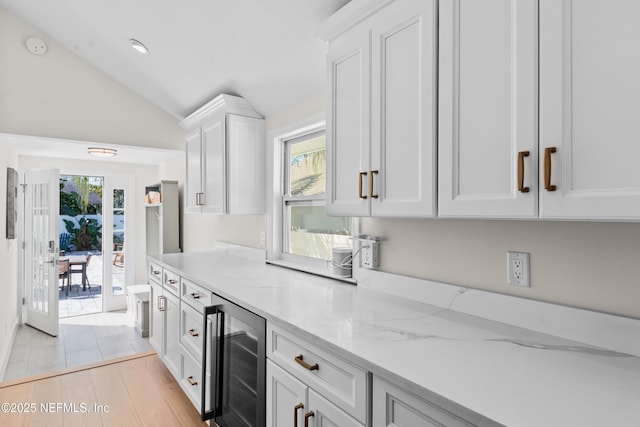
x: 262, y: 50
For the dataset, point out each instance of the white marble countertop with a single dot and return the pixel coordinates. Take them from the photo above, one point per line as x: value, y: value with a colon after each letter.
x: 511, y: 375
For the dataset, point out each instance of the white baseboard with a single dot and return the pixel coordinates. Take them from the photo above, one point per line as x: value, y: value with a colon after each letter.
x: 6, y: 350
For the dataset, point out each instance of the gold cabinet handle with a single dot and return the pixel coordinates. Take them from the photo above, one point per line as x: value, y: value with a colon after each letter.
x: 192, y: 332
x: 195, y: 295
x: 360, y: 175
x: 547, y: 169
x: 373, y: 172
x: 305, y: 365
x: 306, y: 418
x: 191, y: 380
x: 521, y: 156
x: 295, y: 413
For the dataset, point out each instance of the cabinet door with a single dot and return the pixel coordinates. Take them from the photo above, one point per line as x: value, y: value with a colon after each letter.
x: 395, y: 407
x: 589, y: 110
x: 171, y: 353
x: 487, y: 108
x: 325, y: 414
x: 157, y: 317
x: 245, y: 165
x: 193, y: 184
x: 403, y: 124
x: 213, y: 162
x: 285, y: 394
x: 348, y: 134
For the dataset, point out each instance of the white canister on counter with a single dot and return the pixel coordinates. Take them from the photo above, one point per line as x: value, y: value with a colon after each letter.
x: 341, y: 262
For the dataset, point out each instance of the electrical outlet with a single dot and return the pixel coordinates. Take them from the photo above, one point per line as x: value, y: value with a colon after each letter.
x: 369, y: 253
x: 263, y: 238
x: 518, y: 269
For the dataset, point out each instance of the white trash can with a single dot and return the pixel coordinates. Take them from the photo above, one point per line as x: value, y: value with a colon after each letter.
x: 138, y: 307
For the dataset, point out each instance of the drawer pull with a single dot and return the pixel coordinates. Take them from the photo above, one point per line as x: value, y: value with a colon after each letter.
x: 521, y: 156
x: 192, y: 332
x: 172, y: 281
x: 305, y: 365
x: 295, y: 413
x: 191, y: 380
x: 306, y: 418
x: 195, y: 295
x: 155, y: 272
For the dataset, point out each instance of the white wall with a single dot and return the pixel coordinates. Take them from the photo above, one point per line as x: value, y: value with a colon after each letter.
x: 582, y: 264
x: 59, y: 95
x: 8, y: 262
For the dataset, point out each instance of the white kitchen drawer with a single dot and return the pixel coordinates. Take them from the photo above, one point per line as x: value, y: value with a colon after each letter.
x: 155, y: 272
x: 191, y: 378
x: 191, y: 332
x: 195, y: 295
x: 339, y: 381
x: 171, y: 282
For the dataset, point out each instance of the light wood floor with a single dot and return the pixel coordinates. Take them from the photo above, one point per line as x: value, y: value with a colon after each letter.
x: 135, y: 390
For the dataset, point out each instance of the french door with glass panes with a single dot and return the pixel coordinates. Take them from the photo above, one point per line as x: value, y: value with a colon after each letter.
x: 41, y: 248
x: 118, y: 240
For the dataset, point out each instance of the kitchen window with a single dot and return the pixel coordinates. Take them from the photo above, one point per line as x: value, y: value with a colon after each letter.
x: 303, y: 234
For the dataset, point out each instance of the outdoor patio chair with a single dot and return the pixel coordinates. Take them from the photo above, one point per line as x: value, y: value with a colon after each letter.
x: 82, y: 270
x: 63, y: 273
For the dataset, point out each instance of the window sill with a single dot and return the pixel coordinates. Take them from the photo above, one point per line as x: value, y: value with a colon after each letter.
x: 311, y: 270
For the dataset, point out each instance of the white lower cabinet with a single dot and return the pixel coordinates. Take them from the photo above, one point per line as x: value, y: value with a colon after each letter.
x: 308, y: 385
x: 290, y: 402
x: 393, y: 406
x: 165, y: 317
x: 171, y: 352
x: 177, y: 328
x: 191, y: 378
x: 323, y: 413
x: 157, y: 319
x: 286, y: 397
x: 190, y: 333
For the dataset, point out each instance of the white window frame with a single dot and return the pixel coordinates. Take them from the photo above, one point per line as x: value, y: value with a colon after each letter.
x: 276, y: 216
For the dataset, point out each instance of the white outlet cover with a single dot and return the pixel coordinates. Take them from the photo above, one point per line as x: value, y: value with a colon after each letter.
x: 512, y: 278
x: 36, y: 45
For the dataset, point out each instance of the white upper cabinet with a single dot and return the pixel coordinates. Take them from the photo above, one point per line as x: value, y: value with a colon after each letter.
x: 590, y: 109
x: 348, y: 121
x: 225, y: 158
x: 381, y: 136
x: 488, y: 97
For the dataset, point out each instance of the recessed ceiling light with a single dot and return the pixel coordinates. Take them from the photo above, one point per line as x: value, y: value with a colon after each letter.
x: 102, y: 152
x: 138, y: 46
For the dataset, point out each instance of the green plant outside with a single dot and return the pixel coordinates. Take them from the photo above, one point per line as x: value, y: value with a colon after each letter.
x: 88, y: 235
x: 75, y: 204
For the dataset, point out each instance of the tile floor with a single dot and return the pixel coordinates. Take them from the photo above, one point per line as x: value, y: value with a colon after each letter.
x: 82, y: 340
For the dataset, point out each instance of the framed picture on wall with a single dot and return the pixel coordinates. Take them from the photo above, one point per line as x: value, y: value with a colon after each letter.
x: 12, y: 202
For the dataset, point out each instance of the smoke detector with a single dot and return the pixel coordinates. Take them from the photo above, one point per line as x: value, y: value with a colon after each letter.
x: 36, y: 45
